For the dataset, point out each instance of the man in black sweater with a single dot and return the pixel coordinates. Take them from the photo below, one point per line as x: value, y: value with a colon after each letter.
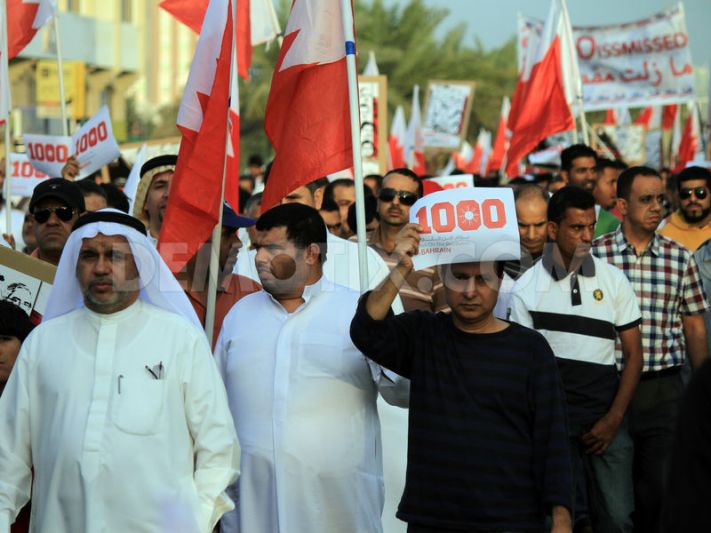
x: 488, y: 444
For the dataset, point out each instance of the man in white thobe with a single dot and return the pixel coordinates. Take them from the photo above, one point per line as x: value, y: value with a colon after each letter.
x: 115, y: 400
x: 302, y: 396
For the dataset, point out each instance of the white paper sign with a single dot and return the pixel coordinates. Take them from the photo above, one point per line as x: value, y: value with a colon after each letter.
x: 446, y: 114
x: 48, y: 153
x: 23, y: 176
x: 641, y: 63
x: 466, y: 225
x: 94, y: 144
x: 454, y: 181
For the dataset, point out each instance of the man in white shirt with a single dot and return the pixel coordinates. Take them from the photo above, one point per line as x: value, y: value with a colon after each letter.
x: 115, y: 401
x: 302, y: 396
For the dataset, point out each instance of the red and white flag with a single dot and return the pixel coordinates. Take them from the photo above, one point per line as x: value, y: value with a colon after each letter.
x: 24, y: 18
x: 669, y: 116
x: 396, y: 140
x: 195, y: 194
x: 256, y: 24
x: 540, y: 105
x: 414, y: 140
x: 463, y: 158
x: 689, y: 143
x: 501, y: 141
x: 307, y: 114
x: 650, y: 117
x: 610, y: 117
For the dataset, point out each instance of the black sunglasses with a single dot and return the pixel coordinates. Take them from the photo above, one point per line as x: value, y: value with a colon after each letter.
x: 699, y: 192
x: 64, y: 214
x: 405, y: 197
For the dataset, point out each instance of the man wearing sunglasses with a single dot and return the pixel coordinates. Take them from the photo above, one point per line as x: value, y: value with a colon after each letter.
x: 55, y: 206
x: 691, y: 224
x: 401, y: 188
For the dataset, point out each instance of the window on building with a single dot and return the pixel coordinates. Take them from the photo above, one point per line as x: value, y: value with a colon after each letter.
x: 73, y: 6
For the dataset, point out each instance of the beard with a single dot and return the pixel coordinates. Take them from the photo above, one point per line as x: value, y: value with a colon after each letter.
x: 692, y: 219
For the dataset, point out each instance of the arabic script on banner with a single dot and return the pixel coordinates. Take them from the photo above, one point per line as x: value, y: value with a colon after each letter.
x: 642, y: 63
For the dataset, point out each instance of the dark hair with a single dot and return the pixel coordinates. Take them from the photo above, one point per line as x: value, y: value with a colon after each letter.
x: 378, y: 179
x: 14, y: 322
x: 89, y: 186
x: 328, y: 205
x: 244, y: 196
x: 255, y: 160
x: 604, y: 162
x: 530, y: 190
x: 115, y: 197
x: 569, y: 197
x: 624, y: 181
x: 573, y: 152
x: 371, y: 208
x: 694, y: 173
x: 304, y: 226
x: 407, y: 173
x: 255, y: 199
x: 317, y: 184
x: 341, y: 182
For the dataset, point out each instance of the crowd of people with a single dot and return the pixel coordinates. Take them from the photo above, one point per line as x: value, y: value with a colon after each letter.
x: 567, y: 391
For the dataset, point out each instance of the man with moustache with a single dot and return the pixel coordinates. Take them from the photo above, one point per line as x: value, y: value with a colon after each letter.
x: 487, y: 441
x: 691, y: 224
x: 666, y: 282
x: 303, y: 398
x: 605, y: 193
x: 56, y: 204
x: 153, y: 192
x: 532, y: 216
x: 578, y: 166
x: 401, y: 188
x: 115, y: 415
x: 581, y: 304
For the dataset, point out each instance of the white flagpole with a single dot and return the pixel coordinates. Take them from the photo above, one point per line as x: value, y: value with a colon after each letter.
x: 214, y: 270
x: 8, y: 167
x: 60, y: 73
x: 354, y: 99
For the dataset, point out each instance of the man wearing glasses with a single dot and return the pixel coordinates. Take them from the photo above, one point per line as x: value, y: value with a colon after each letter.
x: 691, y: 224
x: 55, y: 206
x: 401, y: 188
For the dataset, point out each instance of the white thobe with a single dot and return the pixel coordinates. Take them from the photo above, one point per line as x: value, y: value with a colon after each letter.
x: 303, y: 400
x: 110, y: 460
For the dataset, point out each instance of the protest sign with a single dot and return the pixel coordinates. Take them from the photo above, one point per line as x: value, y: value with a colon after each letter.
x: 466, y: 224
x: 48, y: 153
x: 94, y: 144
x: 373, y: 96
x: 627, y: 143
x: 641, y: 63
x: 23, y: 176
x: 454, y: 181
x: 26, y: 282
x: 447, y: 109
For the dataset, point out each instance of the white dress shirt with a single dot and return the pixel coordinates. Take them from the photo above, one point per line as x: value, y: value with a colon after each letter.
x: 303, y: 400
x: 115, y: 447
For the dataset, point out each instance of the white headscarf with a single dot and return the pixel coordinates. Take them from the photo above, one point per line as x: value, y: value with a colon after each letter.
x: 158, y: 285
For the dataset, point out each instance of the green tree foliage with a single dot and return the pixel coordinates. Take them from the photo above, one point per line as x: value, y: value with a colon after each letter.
x: 410, y: 51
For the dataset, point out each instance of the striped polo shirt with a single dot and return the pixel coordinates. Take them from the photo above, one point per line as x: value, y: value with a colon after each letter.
x: 579, y: 313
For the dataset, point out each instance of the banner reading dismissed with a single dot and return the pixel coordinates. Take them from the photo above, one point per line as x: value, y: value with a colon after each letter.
x: 466, y: 224
x: 641, y: 63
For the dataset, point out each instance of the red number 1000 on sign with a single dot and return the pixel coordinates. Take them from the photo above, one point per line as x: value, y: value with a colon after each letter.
x: 467, y: 215
x: 48, y: 152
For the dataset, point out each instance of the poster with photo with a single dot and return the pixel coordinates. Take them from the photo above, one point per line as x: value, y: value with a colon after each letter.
x: 26, y: 282
x: 448, y: 106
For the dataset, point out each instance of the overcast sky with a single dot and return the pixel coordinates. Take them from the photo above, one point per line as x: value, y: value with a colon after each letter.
x: 494, y: 21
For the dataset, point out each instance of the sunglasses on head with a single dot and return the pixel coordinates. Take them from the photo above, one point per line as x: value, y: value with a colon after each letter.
x: 64, y: 214
x: 405, y: 197
x: 699, y: 192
